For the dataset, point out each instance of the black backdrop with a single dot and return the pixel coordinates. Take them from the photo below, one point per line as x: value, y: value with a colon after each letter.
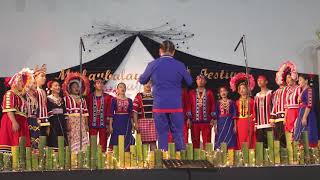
x: 218, y: 73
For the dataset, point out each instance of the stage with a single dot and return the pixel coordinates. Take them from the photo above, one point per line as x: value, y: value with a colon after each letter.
x: 261, y: 173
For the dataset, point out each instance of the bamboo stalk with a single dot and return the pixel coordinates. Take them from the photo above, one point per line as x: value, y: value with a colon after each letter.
x: 295, y: 148
x: 277, y: 159
x: 55, y: 161
x: 139, y: 150
x: 99, y: 157
x: 7, y: 162
x: 93, y: 150
x: 284, y: 156
x: 189, y: 151
x: 209, y: 147
x: 61, y: 151
x: 291, y: 153
x: 165, y: 155
x: 266, y: 159
x: 68, y: 157
x: 178, y: 155
x: 22, y: 153
x: 104, y: 160
x: 110, y: 160
x: 237, y: 158
x: 224, y: 151
x: 183, y: 154
x: 28, y: 159
x: 252, y: 160
x: 81, y: 157
x: 172, y: 150
x: 133, y: 158
x: 88, y: 158
x: 121, y: 150
x: 35, y: 162
x: 15, y: 158
x: 42, y: 153
x: 301, y: 156
x: 196, y: 154
x: 127, y: 160
x: 74, y: 160
x: 145, y: 150
x: 259, y: 154
x: 271, y: 146
x: 49, y: 161
x: 151, y: 159
x: 203, y: 155
x: 158, y: 158
x: 230, y: 158
x: 1, y: 162
x: 306, y: 146
x: 116, y: 152
x: 245, y: 153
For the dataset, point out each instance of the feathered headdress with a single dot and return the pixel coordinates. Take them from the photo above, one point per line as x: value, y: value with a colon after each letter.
x: 25, y: 76
x: 76, y: 77
x: 241, y: 78
x: 286, y: 68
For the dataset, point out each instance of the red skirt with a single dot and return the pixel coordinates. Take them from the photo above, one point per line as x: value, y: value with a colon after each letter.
x: 9, y: 138
x: 292, y: 115
x: 245, y: 133
x: 147, y: 129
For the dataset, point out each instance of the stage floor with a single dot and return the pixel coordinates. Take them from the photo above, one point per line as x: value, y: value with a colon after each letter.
x: 241, y: 173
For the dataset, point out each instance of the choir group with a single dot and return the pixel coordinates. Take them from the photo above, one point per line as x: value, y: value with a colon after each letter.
x: 30, y: 111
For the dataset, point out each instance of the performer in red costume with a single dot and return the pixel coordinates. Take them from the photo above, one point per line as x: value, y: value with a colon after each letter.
x: 14, y: 120
x: 245, y: 118
x: 201, y: 111
x: 99, y: 110
x: 288, y: 73
x: 77, y: 111
x: 143, y: 116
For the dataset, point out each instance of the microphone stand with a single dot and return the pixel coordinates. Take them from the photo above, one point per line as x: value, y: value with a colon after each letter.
x: 242, y: 41
x: 81, y: 48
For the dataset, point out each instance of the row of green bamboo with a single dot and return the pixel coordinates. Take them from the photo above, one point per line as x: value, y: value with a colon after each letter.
x: 24, y: 158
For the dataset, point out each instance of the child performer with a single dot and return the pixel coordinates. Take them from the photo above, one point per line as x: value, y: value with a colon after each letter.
x: 14, y: 120
x: 40, y: 77
x: 143, y: 116
x: 307, y: 120
x: 57, y: 114
x: 32, y: 112
x: 76, y: 104
x: 245, y: 119
x: 120, y: 121
x: 201, y: 112
x: 226, y: 113
x: 262, y: 109
x: 289, y: 74
x: 99, y: 111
